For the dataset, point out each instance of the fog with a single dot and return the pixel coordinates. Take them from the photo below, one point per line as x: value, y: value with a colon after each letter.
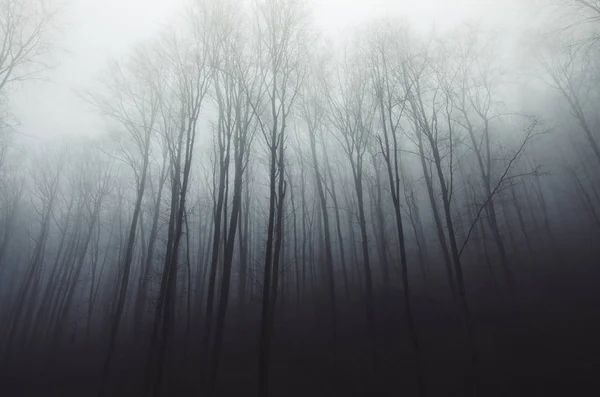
x: 299, y: 197
x: 92, y: 33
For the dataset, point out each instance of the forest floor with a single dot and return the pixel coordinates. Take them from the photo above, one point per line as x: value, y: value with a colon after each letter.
x: 542, y: 340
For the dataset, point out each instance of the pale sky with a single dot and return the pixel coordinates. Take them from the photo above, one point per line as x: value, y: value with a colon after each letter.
x: 94, y: 31
x: 334, y: 15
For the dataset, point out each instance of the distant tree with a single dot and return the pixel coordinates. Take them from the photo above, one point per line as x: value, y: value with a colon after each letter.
x: 391, y: 102
x: 313, y: 113
x: 26, y: 27
x: 47, y: 184
x: 234, y: 81
x: 351, y: 112
x: 280, y: 45
x: 574, y: 74
x: 26, y: 33
x: 132, y: 99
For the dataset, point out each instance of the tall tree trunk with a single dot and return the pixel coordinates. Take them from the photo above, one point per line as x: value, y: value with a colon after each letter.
x: 338, y: 228
x: 144, y: 280
x: 124, y: 272
x: 326, y: 232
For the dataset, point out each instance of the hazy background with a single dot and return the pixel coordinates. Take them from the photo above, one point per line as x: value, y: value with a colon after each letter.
x: 92, y: 32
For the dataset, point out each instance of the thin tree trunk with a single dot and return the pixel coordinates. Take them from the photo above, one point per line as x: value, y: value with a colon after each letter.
x: 125, y: 271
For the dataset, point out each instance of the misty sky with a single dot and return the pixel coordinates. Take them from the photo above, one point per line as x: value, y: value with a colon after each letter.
x: 94, y: 31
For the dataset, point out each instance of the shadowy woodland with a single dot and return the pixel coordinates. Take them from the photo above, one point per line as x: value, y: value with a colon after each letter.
x: 273, y: 212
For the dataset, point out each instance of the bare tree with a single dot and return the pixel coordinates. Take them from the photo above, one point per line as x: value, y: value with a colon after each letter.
x: 12, y: 187
x: 180, y: 108
x: 391, y: 105
x: 132, y: 99
x: 234, y: 78
x: 351, y: 113
x: 571, y: 73
x: 313, y: 113
x: 280, y: 48
x: 148, y: 260
x: 47, y: 185
x: 477, y: 98
x: 96, y: 184
x: 26, y: 28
